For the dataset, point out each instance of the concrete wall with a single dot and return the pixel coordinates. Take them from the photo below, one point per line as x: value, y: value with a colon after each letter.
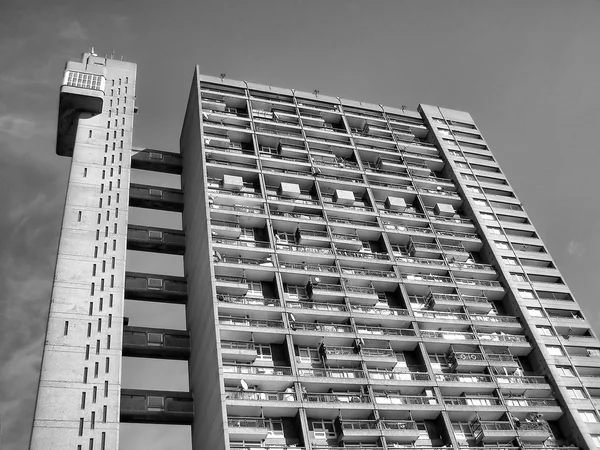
x: 82, y: 300
x: 205, y: 369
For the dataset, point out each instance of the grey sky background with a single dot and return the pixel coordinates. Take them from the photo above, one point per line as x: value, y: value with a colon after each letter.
x: 526, y: 70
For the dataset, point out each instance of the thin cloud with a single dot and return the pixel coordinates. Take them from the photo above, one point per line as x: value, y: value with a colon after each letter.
x: 575, y: 248
x: 21, y: 126
x: 73, y: 32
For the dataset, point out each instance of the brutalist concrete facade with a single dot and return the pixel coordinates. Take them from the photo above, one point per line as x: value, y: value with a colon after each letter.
x: 356, y: 276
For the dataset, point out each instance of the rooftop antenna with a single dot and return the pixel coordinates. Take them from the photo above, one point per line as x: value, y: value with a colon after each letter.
x: 93, y: 52
x: 316, y: 92
x: 403, y: 108
x: 223, y: 75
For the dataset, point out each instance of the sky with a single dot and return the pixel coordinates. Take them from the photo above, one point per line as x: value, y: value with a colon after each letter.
x: 526, y: 70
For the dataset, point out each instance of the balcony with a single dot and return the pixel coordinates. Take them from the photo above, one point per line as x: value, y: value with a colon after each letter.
x: 145, y: 286
x: 401, y: 431
x: 394, y: 399
x: 345, y: 398
x: 245, y: 322
x: 493, y: 431
x: 155, y: 343
x: 379, y: 357
x: 448, y: 335
x: 346, y: 373
x: 157, y: 240
x: 362, y: 295
x: 364, y: 255
x: 248, y: 300
x: 247, y: 370
x: 152, y: 197
x: 536, y: 432
x: 404, y: 378
x: 320, y: 327
x: 322, y: 291
x: 518, y: 385
x: 82, y: 91
x: 235, y: 286
x: 357, y: 430
x: 164, y: 407
x: 444, y: 302
x: 247, y: 428
x: 156, y: 161
x: 467, y: 362
x: 238, y: 351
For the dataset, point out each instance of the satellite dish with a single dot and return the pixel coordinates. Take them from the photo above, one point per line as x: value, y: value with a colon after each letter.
x: 244, y: 385
x: 292, y: 318
x: 317, y: 280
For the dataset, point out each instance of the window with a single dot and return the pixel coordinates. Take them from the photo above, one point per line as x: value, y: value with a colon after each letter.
x: 275, y: 427
x: 535, y: 312
x: 596, y: 439
x: 576, y: 393
x: 525, y: 293
x: 439, y: 363
x: 323, y: 429
x: 255, y: 289
x: 247, y: 234
x: 295, y: 292
x: 494, y: 230
x: 565, y: 371
x: 308, y: 355
x: 518, y: 277
x: 588, y: 416
x: 501, y: 245
x: 545, y: 331
x: 555, y: 350
x: 263, y: 351
x: 288, y: 238
x: 479, y: 202
x: 510, y: 261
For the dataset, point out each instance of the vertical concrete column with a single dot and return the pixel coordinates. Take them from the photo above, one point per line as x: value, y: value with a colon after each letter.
x: 79, y: 392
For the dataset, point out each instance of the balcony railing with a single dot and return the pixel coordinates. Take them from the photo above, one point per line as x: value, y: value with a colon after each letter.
x: 304, y: 249
x: 531, y: 379
x: 331, y: 373
x: 421, y: 261
x: 245, y: 369
x: 475, y: 282
x: 316, y: 305
x: 363, y: 255
x: 241, y: 243
x: 472, y: 401
x: 410, y: 277
x: 443, y: 315
x: 246, y: 422
x: 463, y: 378
x: 243, y: 300
x: 354, y: 397
x: 323, y: 327
x: 393, y: 398
x: 353, y: 222
x: 254, y: 323
x: 501, y: 337
x: 375, y: 374
x: 238, y: 208
x: 300, y: 216
x: 536, y: 402
x: 389, y: 311
x: 453, y: 335
x: 364, y: 329
x: 260, y: 395
x: 305, y: 266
